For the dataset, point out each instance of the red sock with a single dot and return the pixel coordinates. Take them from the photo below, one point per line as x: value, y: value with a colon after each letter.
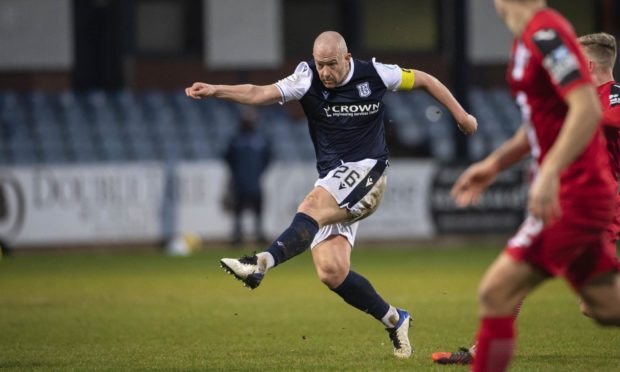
x: 494, y: 345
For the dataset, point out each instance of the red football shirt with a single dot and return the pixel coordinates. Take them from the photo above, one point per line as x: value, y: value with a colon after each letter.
x: 546, y: 64
x: 609, y: 94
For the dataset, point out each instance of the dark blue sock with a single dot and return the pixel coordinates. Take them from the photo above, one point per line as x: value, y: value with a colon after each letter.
x: 295, y: 239
x: 359, y: 293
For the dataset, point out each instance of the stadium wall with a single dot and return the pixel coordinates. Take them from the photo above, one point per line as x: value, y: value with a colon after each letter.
x: 146, y: 202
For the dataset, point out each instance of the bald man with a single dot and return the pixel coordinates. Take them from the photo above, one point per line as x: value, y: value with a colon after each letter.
x: 342, y: 98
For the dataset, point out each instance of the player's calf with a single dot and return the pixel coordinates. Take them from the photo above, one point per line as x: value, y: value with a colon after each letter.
x: 295, y: 239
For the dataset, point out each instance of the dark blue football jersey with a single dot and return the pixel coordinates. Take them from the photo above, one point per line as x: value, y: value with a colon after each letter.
x: 346, y: 122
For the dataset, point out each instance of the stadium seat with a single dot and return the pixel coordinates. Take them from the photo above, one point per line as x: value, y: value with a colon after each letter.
x: 142, y: 149
x: 22, y: 151
x: 157, y: 125
x: 82, y: 150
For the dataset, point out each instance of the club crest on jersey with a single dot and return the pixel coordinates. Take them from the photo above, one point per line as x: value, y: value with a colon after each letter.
x: 364, y: 89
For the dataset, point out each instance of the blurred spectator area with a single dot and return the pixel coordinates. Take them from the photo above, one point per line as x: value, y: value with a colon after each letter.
x: 120, y: 126
x: 99, y: 80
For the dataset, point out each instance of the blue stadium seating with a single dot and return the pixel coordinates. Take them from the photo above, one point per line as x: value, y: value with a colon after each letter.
x: 99, y: 126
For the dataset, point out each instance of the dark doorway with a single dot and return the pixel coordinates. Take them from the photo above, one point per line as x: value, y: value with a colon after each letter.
x: 102, y: 31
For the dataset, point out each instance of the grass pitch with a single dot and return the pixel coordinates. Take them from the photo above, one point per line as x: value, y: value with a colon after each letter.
x: 146, y: 311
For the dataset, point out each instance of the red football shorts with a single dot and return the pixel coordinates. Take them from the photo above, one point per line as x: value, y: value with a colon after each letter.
x: 562, y: 249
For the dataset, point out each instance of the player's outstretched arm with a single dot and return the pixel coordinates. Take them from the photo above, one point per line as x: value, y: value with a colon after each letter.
x: 467, y: 123
x: 245, y: 93
x: 469, y: 187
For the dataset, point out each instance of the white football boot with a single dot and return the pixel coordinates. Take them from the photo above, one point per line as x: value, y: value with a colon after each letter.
x: 400, y: 335
x: 248, y: 269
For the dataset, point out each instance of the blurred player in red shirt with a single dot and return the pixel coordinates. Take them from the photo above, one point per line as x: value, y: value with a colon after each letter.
x: 569, y: 200
x: 600, y: 53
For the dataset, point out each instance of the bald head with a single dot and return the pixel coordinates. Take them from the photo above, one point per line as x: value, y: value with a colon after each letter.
x: 331, y: 58
x: 330, y: 42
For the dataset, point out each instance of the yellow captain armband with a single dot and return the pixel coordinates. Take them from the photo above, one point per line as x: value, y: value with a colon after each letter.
x: 407, y: 79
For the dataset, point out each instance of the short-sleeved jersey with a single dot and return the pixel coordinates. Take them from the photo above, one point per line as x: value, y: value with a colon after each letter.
x: 346, y: 122
x: 546, y: 64
x: 609, y: 94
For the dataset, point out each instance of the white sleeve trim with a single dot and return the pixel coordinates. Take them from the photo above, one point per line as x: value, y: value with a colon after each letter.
x: 390, y: 74
x: 296, y: 85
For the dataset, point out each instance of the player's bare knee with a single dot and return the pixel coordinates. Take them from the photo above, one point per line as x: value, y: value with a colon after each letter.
x: 494, y: 300
x: 332, y: 274
x: 607, y: 318
x: 332, y: 280
x: 312, y: 201
x: 311, y: 209
x: 306, y: 207
x: 603, y: 314
x: 487, y: 297
x: 600, y: 299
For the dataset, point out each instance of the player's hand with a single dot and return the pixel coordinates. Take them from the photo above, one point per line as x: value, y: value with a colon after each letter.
x: 199, y: 90
x: 469, y: 187
x: 469, y: 125
x: 543, y: 202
